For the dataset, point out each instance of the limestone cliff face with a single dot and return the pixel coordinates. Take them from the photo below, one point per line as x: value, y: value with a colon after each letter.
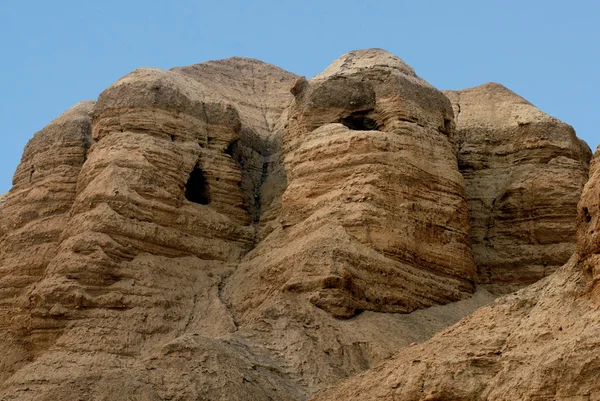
x: 537, y: 344
x: 260, y: 93
x: 524, y: 172
x: 374, y: 215
x: 33, y: 217
x: 229, y: 230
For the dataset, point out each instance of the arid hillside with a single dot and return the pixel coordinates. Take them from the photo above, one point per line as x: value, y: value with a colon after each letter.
x: 232, y: 231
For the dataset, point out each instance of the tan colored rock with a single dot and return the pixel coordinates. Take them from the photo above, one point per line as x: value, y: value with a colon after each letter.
x: 342, y: 245
x: 524, y: 171
x: 134, y: 292
x: 201, y: 236
x: 260, y: 93
x: 374, y: 215
x: 33, y: 217
x: 537, y: 344
x: 158, y: 220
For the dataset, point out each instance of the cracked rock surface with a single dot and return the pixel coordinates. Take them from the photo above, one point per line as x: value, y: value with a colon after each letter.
x: 231, y: 231
x: 539, y: 343
x: 524, y: 172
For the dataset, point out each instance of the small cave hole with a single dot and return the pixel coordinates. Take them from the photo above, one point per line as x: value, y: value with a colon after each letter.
x: 359, y: 122
x: 447, y: 126
x: 231, y: 149
x: 172, y: 138
x: 586, y: 214
x: 196, y: 189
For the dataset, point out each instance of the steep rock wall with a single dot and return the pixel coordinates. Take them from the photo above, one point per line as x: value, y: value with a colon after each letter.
x: 374, y: 215
x: 537, y: 344
x: 218, y: 227
x: 524, y: 172
x: 32, y: 221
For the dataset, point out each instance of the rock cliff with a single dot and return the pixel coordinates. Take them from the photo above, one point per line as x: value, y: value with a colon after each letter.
x: 524, y: 171
x: 537, y: 344
x: 374, y: 215
x: 229, y: 230
x: 34, y: 214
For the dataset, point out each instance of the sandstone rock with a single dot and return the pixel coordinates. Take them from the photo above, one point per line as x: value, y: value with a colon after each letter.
x: 374, y: 215
x: 32, y: 220
x: 539, y: 343
x: 198, y: 234
x: 524, y: 171
x: 2, y: 200
x: 353, y: 133
x: 260, y: 93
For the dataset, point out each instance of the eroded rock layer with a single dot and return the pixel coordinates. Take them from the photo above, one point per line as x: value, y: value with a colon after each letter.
x: 32, y: 220
x: 230, y: 231
x: 537, y: 344
x: 2, y: 200
x: 524, y: 171
x: 374, y: 215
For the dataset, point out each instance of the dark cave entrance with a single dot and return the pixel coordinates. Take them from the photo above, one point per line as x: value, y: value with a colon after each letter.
x: 196, y: 189
x: 359, y: 121
x: 232, y: 148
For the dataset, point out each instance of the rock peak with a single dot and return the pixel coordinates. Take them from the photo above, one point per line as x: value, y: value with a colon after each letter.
x: 231, y: 231
x: 356, y: 61
x: 494, y: 90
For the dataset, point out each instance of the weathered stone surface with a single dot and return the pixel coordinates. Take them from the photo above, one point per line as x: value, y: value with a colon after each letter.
x: 32, y: 220
x: 374, y: 215
x: 159, y: 218
x: 524, y: 171
x: 260, y: 93
x: 537, y: 344
x: 198, y: 234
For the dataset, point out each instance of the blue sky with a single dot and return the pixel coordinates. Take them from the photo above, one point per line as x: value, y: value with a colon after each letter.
x: 56, y: 53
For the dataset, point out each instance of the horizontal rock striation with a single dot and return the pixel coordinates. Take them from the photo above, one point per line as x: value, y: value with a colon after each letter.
x: 260, y: 93
x: 374, y: 215
x: 230, y: 231
x: 158, y: 217
x: 537, y: 344
x: 524, y: 171
x: 32, y: 221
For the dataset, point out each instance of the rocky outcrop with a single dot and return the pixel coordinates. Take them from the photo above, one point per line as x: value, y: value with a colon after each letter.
x: 260, y: 98
x: 158, y: 219
x: 537, y: 344
x: 524, y: 172
x: 368, y: 222
x: 32, y: 220
x: 206, y: 233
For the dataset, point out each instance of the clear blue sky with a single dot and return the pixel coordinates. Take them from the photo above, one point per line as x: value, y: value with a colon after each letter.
x: 56, y: 53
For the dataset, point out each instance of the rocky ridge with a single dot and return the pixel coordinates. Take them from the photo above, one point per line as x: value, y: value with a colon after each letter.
x: 536, y: 344
x: 524, y: 172
x: 230, y: 230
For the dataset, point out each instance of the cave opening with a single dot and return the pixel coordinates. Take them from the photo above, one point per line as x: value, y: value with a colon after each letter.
x: 359, y: 121
x: 232, y: 148
x: 586, y: 214
x: 196, y: 189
